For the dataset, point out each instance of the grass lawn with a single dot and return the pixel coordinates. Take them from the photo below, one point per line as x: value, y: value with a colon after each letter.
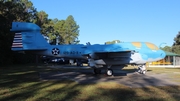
x: 22, y: 83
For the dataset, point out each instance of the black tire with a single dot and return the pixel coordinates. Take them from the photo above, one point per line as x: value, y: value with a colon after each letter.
x: 109, y: 72
x: 144, y: 72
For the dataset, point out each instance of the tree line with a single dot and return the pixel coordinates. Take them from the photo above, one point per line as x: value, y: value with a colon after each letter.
x: 66, y: 30
x: 175, y: 48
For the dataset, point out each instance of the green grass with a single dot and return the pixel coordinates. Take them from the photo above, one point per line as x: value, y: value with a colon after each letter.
x: 22, y: 83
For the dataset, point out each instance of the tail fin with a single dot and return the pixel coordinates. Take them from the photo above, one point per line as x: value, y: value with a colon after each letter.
x: 28, y: 37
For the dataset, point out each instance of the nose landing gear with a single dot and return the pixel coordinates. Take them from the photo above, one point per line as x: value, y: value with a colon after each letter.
x: 142, y: 69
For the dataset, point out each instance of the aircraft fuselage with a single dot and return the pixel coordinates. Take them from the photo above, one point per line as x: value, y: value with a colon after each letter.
x: 113, y: 54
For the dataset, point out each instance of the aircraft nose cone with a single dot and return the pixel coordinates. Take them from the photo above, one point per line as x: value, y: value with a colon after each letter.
x: 163, y: 54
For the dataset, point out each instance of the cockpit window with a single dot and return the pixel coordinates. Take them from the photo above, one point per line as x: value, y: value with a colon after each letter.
x: 152, y: 46
x: 137, y: 44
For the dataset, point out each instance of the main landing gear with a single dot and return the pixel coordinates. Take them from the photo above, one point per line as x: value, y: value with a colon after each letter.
x: 142, y: 69
x: 109, y: 71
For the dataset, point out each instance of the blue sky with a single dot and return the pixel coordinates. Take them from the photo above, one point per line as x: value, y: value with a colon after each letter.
x: 156, y: 21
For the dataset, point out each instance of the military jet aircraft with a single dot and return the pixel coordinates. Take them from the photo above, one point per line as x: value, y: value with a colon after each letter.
x: 29, y: 39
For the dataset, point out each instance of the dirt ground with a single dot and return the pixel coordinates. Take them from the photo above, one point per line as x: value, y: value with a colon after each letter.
x: 132, y: 79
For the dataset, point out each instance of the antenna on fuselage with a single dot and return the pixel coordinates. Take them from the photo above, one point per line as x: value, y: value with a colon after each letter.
x: 88, y: 43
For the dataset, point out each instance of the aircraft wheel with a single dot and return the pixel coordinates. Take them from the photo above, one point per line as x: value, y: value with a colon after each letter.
x: 144, y: 72
x: 79, y: 64
x: 109, y: 72
x: 97, y: 71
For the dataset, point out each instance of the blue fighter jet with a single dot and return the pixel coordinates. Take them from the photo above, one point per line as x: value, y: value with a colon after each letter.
x: 29, y: 39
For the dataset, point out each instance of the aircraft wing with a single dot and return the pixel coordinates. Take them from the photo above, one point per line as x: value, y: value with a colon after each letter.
x: 110, y: 54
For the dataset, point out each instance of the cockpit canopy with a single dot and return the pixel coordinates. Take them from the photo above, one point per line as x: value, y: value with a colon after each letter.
x: 149, y: 45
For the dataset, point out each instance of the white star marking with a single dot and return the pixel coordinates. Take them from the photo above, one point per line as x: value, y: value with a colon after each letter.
x: 55, y: 51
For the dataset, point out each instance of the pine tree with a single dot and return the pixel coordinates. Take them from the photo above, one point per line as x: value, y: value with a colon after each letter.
x: 176, y: 45
x: 71, y: 31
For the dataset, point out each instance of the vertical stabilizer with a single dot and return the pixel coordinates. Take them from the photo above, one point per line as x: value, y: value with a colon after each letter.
x: 27, y: 37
